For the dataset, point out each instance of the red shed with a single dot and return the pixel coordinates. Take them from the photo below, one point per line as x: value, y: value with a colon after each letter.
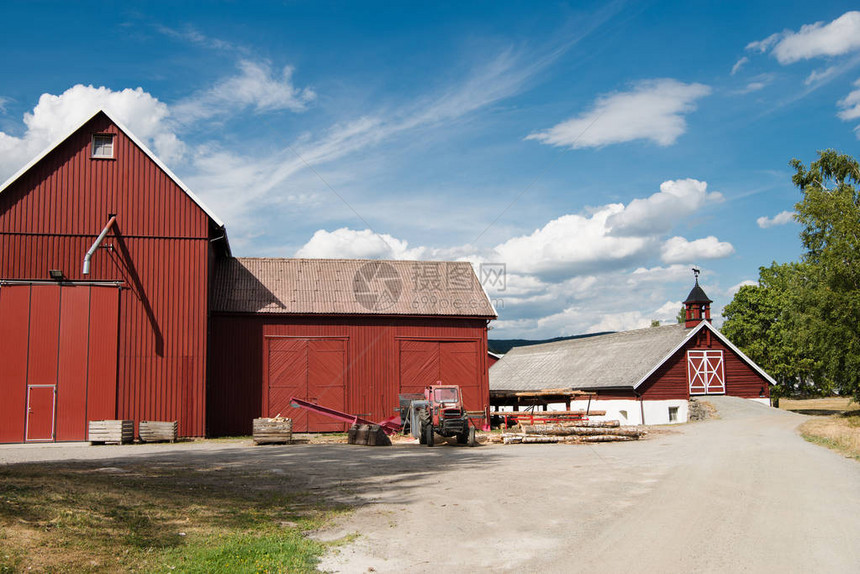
x: 127, y: 337
x: 349, y: 334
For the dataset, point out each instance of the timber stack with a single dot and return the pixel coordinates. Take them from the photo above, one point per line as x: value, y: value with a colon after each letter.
x: 111, y: 432
x: 573, y: 432
x: 157, y: 431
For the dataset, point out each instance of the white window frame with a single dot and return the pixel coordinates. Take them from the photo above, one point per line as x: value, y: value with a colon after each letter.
x: 106, y: 143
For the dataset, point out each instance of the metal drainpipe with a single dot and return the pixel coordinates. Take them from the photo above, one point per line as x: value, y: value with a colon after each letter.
x: 92, y: 250
x: 641, y: 405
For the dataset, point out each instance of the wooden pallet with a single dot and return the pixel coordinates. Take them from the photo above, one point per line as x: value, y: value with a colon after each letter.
x: 111, y: 431
x: 158, y: 431
x: 273, y: 431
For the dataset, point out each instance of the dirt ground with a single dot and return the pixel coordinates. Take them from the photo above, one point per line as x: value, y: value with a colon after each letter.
x: 741, y: 493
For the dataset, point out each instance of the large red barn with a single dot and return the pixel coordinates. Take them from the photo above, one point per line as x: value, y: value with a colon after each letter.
x: 107, y: 272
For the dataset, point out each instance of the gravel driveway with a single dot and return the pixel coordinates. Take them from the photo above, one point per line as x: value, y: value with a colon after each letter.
x: 742, y: 493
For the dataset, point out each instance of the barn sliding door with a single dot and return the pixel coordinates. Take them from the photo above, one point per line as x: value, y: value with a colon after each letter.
x: 706, y: 373
x: 424, y: 363
x: 310, y: 369
x: 58, y: 353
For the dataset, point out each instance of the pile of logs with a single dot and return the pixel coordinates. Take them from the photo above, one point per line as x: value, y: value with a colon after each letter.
x: 573, y: 432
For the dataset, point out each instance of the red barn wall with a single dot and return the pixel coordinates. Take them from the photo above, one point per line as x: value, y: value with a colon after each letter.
x: 51, y: 215
x: 670, y: 380
x: 237, y: 361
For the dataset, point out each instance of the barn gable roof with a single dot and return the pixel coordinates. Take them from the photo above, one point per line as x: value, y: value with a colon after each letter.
x: 215, y: 219
x: 616, y: 360
x: 349, y: 287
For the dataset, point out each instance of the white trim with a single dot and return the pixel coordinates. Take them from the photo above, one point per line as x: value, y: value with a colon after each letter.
x: 721, y: 337
x: 138, y: 143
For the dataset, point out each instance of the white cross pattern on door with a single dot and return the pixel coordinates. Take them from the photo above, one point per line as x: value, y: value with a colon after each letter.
x: 705, y: 372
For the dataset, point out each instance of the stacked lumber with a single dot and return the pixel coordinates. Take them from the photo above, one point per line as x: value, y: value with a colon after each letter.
x: 155, y: 431
x: 111, y: 431
x: 277, y: 430
x: 369, y: 435
x: 573, y: 432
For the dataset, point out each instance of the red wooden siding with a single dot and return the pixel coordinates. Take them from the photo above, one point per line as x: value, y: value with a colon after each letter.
x: 238, y: 361
x: 14, y: 320
x: 159, y: 250
x: 670, y: 380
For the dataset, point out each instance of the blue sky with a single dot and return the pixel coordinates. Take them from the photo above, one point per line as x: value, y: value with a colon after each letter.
x: 599, y: 150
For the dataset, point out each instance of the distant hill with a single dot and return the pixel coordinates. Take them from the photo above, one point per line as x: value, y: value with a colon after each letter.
x: 502, y: 346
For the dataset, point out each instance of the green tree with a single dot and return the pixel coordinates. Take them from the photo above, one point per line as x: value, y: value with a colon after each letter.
x: 829, y: 294
x: 762, y: 321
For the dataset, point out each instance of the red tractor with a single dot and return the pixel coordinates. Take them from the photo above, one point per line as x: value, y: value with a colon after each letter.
x: 439, y: 410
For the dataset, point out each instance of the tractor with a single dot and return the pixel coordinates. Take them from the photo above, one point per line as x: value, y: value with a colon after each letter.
x: 438, y: 410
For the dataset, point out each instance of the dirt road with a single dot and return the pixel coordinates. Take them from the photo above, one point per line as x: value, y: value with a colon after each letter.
x: 743, y: 493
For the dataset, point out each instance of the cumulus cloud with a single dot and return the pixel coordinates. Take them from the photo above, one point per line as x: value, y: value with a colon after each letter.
x: 653, y: 110
x: 780, y: 218
x: 256, y: 86
x: 676, y: 200
x: 731, y: 291
x: 55, y: 116
x: 679, y: 250
x: 838, y: 37
x: 345, y: 243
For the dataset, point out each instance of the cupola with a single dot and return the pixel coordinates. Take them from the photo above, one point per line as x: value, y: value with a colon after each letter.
x: 697, y: 306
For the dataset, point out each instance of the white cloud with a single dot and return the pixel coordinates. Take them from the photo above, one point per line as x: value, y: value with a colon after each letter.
x: 739, y: 64
x: 850, y: 104
x: 780, y: 218
x: 345, y: 243
x: 653, y: 110
x: 679, y: 250
x: 256, y: 86
x: 818, y: 76
x: 55, y: 116
x: 643, y: 275
x: 731, y: 291
x: 840, y: 36
x: 676, y: 200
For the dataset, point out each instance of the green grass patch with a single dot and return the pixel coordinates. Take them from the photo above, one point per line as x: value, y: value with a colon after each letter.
x: 156, y: 517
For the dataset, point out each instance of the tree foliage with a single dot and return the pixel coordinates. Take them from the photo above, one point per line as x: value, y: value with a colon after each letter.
x: 802, y: 322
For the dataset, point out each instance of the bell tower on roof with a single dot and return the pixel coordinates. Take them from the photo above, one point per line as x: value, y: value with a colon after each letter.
x: 697, y: 306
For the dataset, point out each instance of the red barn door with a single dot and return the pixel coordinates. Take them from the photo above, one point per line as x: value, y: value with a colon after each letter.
x: 705, y: 372
x: 423, y: 363
x: 310, y: 369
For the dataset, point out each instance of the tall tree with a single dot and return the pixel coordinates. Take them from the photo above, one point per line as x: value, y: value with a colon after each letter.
x: 829, y: 295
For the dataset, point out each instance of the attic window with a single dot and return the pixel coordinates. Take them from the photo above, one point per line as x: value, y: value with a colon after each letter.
x: 103, y: 146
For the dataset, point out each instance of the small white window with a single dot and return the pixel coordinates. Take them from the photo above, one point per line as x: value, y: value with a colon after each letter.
x: 673, y: 414
x: 103, y: 146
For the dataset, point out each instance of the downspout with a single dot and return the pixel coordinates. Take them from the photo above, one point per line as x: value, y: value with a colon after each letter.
x: 92, y: 250
x: 641, y: 405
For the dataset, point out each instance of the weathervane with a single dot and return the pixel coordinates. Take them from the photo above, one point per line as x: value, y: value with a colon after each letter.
x: 696, y: 273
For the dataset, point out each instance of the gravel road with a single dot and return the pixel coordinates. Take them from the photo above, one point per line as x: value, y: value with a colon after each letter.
x: 742, y: 493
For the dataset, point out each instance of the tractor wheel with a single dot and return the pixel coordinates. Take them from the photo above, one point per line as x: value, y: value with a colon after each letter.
x: 428, y: 435
x: 472, y: 441
x: 423, y: 421
x: 463, y: 437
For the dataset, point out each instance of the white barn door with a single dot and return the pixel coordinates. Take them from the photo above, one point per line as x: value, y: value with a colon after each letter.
x: 706, y: 373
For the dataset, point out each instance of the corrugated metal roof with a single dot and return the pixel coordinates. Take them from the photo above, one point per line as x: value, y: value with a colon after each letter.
x: 603, y: 361
x: 349, y: 287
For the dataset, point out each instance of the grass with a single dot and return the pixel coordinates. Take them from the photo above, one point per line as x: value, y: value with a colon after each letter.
x: 155, y: 518
x: 835, y: 423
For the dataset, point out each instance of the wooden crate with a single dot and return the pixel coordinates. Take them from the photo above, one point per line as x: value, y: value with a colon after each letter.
x: 155, y: 431
x: 111, y: 431
x: 273, y: 431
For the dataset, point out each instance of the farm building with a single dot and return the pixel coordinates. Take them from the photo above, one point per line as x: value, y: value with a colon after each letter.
x: 120, y: 298
x: 645, y: 376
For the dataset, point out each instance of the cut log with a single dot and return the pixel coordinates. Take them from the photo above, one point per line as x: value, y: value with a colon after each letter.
x: 568, y: 430
x: 110, y: 432
x: 606, y: 438
x: 273, y: 431
x: 155, y: 431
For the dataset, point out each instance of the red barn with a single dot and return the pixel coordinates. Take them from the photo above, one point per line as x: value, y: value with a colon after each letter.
x: 645, y: 376
x: 107, y: 270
